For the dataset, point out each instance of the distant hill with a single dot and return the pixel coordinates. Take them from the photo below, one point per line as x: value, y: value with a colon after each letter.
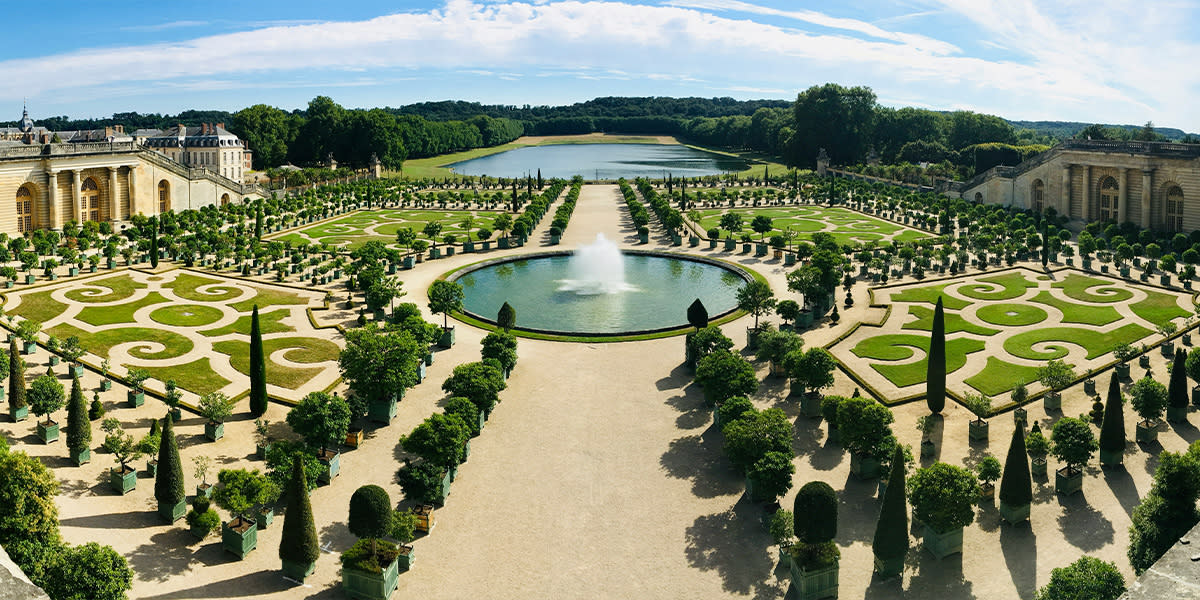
x: 1066, y: 129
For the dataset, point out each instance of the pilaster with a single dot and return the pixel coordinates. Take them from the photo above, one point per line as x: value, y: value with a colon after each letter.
x: 114, y: 205
x: 1123, y: 196
x: 1147, y: 176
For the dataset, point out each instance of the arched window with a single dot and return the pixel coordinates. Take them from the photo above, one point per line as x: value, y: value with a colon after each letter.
x: 1038, y: 196
x: 978, y: 196
x: 25, y: 209
x: 224, y: 199
x: 89, y: 201
x: 1109, y: 196
x: 1174, y: 209
x: 164, y: 196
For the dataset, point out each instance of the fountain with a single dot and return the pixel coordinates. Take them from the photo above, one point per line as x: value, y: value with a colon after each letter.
x: 597, y: 268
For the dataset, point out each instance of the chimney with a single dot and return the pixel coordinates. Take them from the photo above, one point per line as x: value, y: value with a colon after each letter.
x: 220, y: 126
x: 119, y: 129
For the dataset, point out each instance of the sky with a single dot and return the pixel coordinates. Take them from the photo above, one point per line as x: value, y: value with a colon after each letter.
x: 1109, y: 61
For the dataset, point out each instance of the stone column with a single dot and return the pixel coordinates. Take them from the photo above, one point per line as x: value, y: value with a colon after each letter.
x: 76, y: 190
x: 52, y: 184
x: 131, y: 178
x: 1065, y: 194
x: 114, y: 202
x: 1087, y: 192
x: 1123, y: 195
x: 1147, y: 175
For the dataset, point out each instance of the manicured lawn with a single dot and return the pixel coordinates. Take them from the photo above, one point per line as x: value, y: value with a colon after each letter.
x: 1076, y: 286
x: 302, y: 350
x: 121, y: 313
x: 1010, y: 315
x: 1158, y: 308
x: 1096, y: 343
x: 845, y: 225
x: 196, y: 376
x: 119, y: 287
x: 185, y: 285
x: 1013, y: 285
x: 999, y: 377
x: 954, y: 322
x: 930, y: 294
x: 270, y: 322
x: 100, y: 343
x: 895, y: 347
x: 264, y: 297
x: 39, y: 306
x: 357, y: 229
x: 1086, y: 314
x: 186, y: 315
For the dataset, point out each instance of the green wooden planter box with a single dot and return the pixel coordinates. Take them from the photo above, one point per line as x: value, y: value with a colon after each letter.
x: 47, y: 432
x: 239, y: 543
x: 1068, y: 483
x: 1052, y: 401
x: 890, y: 567
x: 298, y: 571
x: 444, y: 490
x: 135, y: 399
x: 205, y: 489
x: 644, y: 238
x: 371, y: 586
x: 1177, y: 414
x: 1146, y: 433
x: 1014, y: 514
x: 730, y: 244
x: 264, y: 516
x: 171, y: 513
x: 864, y: 467
x: 381, y: 411
x: 333, y: 467
x: 745, y: 248
x: 1110, y: 458
x: 81, y: 457
x: 447, y: 338
x: 760, y: 249
x: 554, y: 239
x: 54, y: 360
x: 214, y: 431
x: 77, y: 370
x: 406, y: 558
x: 814, y: 584
x: 789, y: 259
x: 1089, y: 386
x: 105, y: 385
x: 1037, y: 467
x: 122, y: 482
x: 1123, y: 370
x: 18, y: 414
x: 449, y: 250
x: 30, y: 347
x: 944, y: 544
x: 810, y: 405
x: 152, y: 468
x: 977, y: 430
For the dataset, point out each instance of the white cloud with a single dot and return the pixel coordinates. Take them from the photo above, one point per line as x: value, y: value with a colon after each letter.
x: 165, y: 26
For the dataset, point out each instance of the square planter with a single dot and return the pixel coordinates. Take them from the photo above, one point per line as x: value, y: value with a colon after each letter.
x: 730, y: 245
x: 54, y: 360
x: 152, y: 468
x: 30, y: 347
x: 354, y: 436
x: 1123, y: 370
x: 18, y: 414
x: 260, y: 452
x: 1067, y: 481
x: 1052, y: 401
x: 1014, y: 514
x: 81, y: 457
x: 449, y: 250
x: 1110, y: 458
x: 205, y: 489
x: 298, y: 571
x: 333, y: 465
x: 239, y: 537
x: 810, y: 405
x: 381, y: 411
x: 1196, y: 396
x: 1089, y: 386
x: 264, y: 516
x: 977, y: 430
x: 48, y: 432
x: 77, y: 370
x: 371, y: 586
x: 864, y: 467
x: 1147, y: 432
x: 814, y: 584
x: 425, y: 520
x: 1037, y: 467
x: 122, y: 481
x: 214, y: 431
x: 1144, y: 361
x: 135, y: 399
x: 171, y: 513
x: 644, y: 238
x: 942, y: 544
x: 407, y: 556
x: 105, y: 385
x: 447, y: 339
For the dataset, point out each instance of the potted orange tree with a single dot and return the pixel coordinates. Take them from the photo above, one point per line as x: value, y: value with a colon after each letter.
x: 125, y: 450
x: 370, y: 568
x: 1073, y: 445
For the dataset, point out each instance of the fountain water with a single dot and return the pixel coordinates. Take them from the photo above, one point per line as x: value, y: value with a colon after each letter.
x: 597, y: 268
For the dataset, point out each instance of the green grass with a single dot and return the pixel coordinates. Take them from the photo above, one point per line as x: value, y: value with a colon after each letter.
x: 1013, y: 285
x: 186, y: 315
x: 1076, y: 287
x: 1095, y: 343
x: 39, y: 306
x: 119, y: 287
x: 101, y: 342
x: 930, y: 294
x: 197, y: 376
x: 895, y: 347
x: 121, y: 313
x: 999, y: 377
x: 270, y: 322
x: 1086, y: 314
x: 845, y: 225
x: 1011, y: 315
x: 302, y: 350
x: 185, y: 285
x: 954, y: 322
x: 1158, y: 308
x: 264, y: 297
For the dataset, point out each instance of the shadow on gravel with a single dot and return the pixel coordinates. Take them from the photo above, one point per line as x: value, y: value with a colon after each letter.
x: 699, y: 458
x: 1019, y: 545
x: 744, y: 562
x: 1083, y: 526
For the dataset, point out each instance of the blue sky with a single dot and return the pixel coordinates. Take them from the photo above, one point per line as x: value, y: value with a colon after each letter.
x: 1096, y: 60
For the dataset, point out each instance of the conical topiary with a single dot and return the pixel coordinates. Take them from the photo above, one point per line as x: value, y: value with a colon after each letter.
x: 258, y: 369
x: 697, y: 315
x: 298, y: 542
x: 16, y: 377
x: 935, y: 370
x: 506, y: 318
x: 1016, y: 489
x: 79, y: 427
x: 1177, y: 393
x: 1112, y: 430
x: 891, y: 531
x: 168, y: 482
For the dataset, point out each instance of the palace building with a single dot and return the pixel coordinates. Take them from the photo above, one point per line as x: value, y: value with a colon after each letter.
x: 52, y: 178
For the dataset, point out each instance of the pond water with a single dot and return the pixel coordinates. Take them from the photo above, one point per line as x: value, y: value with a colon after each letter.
x: 602, y: 161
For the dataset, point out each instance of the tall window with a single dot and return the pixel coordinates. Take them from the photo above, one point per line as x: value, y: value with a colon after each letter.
x: 1174, y: 209
x: 89, y: 201
x: 1109, y: 196
x: 1038, y: 196
x: 164, y: 196
x: 24, y: 209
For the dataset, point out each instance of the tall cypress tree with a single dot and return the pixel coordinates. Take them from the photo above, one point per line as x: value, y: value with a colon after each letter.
x: 258, y: 223
x: 168, y: 482
x: 1016, y: 489
x: 935, y: 370
x: 891, y: 531
x: 1177, y: 395
x: 298, y: 542
x: 16, y: 377
x: 79, y: 428
x: 153, y: 242
x: 1112, y: 429
x: 258, y: 369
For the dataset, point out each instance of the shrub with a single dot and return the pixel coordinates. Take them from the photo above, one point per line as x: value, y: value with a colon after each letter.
x: 733, y: 408
x: 891, y: 530
x: 1055, y: 375
x: 774, y: 344
x: 1149, y: 399
x: 477, y: 382
x: 780, y: 527
x: 816, y: 511
x: 322, y: 420
x: 441, y: 439
x: 1088, y: 577
x: 707, y: 340
x: 1112, y: 430
x: 1016, y: 489
x: 421, y: 481
x: 988, y: 469
x: 87, y: 572
x: 772, y: 475
x: 466, y: 411
x: 298, y: 542
x: 756, y: 433
x: 202, y: 517
x: 944, y: 496
x: 864, y: 426
x: 830, y: 405
x: 811, y: 369
x: 724, y: 375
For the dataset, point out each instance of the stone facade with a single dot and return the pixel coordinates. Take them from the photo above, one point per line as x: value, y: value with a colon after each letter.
x: 1155, y: 185
x: 14, y: 585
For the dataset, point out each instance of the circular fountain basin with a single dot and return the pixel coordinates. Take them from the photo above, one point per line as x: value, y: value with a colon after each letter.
x: 550, y: 295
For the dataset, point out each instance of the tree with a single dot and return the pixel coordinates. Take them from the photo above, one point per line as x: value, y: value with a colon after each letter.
x: 258, y: 368
x: 1072, y: 443
x: 1177, y: 393
x: 370, y: 513
x: 431, y: 231
x: 378, y: 364
x: 724, y: 374
x: 477, y: 382
x: 810, y: 369
x: 697, y: 315
x: 756, y: 298
x: 1055, y: 375
x: 501, y: 346
x: 1088, y: 577
x: 16, y: 377
x: 119, y: 443
x: 1148, y: 398
x: 761, y: 224
x: 1168, y: 511
x: 215, y: 406
x: 322, y: 420
x: 298, y: 542
x: 45, y: 396
x: 445, y: 297
x: 864, y: 426
x: 815, y: 511
x: 441, y: 440
x: 771, y: 476
x: 1112, y: 429
x: 168, y: 481
x: 28, y: 515
x: 838, y: 119
x: 707, y: 340
x: 1015, y: 485
x: 506, y: 318
x: 890, y: 541
x: 241, y: 490
x: 788, y: 310
x: 935, y: 368
x: 87, y: 572
x: 731, y: 222
x: 944, y: 496
x: 79, y: 428
x: 755, y: 433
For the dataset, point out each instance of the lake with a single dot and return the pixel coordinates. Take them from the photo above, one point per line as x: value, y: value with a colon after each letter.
x: 601, y: 161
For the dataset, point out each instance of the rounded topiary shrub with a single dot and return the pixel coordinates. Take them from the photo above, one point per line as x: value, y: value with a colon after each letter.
x: 815, y: 511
